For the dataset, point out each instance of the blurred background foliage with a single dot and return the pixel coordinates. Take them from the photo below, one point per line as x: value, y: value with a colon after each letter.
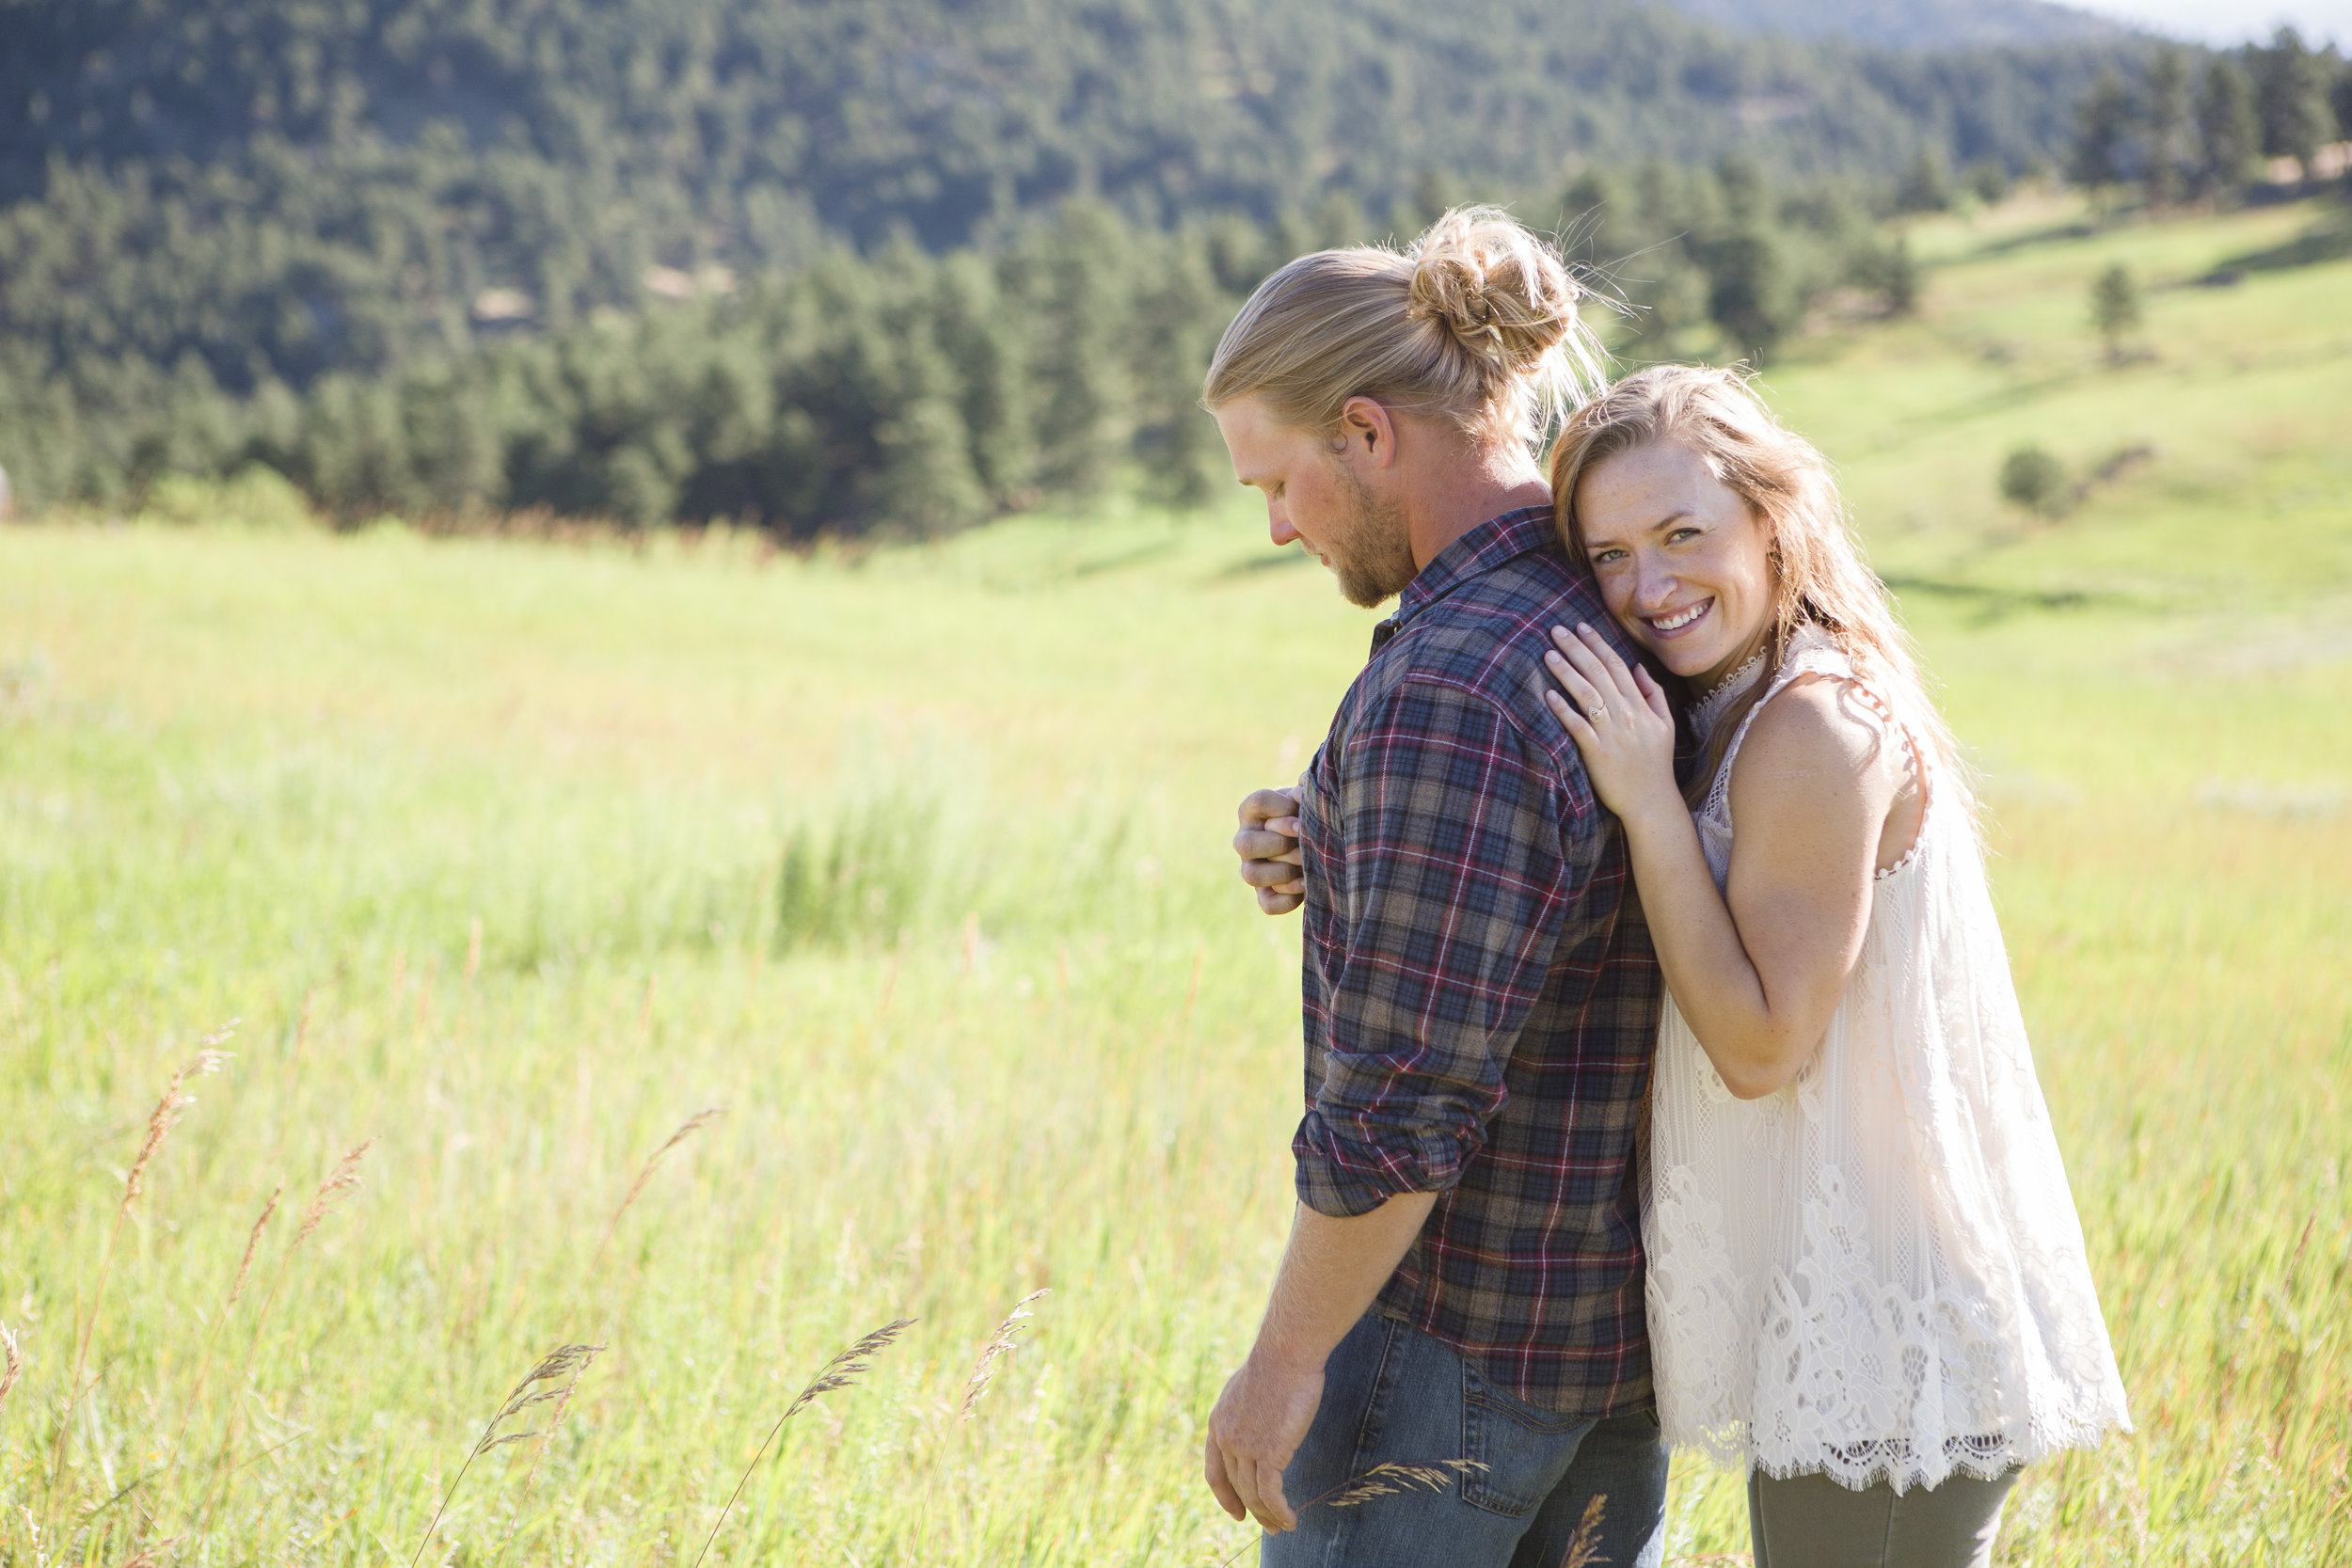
x: 834, y: 267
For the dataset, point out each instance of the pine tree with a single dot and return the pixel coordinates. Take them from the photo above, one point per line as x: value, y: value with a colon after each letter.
x: 1901, y: 279
x: 2102, y: 125
x: 1748, y: 292
x: 1926, y: 185
x: 927, y: 483
x: 1175, y: 330
x: 2164, y: 127
x: 2291, y: 90
x: 978, y: 334
x: 2228, y: 133
x: 2115, y: 310
x: 1987, y: 181
x: 1073, y: 279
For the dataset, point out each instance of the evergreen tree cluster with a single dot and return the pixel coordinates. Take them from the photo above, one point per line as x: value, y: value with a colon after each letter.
x: 2179, y: 131
x: 1729, y: 251
x: 224, y: 225
x: 910, y: 392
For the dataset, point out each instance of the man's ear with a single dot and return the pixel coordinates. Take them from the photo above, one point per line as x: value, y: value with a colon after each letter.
x: 1367, y: 433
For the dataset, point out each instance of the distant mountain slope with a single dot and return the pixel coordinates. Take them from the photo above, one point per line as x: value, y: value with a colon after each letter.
x: 1908, y: 23
x: 273, y: 189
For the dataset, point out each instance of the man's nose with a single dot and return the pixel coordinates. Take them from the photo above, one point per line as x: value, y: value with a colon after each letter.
x: 1278, y: 526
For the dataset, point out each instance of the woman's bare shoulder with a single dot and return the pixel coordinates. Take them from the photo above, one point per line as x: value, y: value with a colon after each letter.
x: 1818, y: 746
x: 1816, y: 723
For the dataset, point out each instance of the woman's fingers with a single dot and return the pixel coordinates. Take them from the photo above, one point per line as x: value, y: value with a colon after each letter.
x: 1598, y: 663
x: 1653, y: 693
x: 1579, y: 686
x: 1574, y: 652
x: 1579, y: 727
x: 1619, y: 673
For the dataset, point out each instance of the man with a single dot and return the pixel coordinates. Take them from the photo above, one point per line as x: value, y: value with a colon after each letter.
x: 1463, y: 1285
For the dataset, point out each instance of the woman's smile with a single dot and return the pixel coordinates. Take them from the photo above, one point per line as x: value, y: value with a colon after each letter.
x: 1674, y: 622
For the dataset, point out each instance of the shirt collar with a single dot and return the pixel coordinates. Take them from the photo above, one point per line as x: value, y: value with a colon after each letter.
x: 1513, y: 534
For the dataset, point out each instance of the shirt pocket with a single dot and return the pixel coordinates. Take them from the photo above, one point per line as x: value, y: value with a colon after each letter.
x: 1318, y: 816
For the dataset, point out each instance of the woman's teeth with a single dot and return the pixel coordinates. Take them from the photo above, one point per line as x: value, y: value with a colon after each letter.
x: 1680, y: 618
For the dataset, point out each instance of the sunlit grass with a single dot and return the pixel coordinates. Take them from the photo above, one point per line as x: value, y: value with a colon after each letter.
x: 486, y: 845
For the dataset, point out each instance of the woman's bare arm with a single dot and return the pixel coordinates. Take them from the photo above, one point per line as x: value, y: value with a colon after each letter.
x: 1758, y: 969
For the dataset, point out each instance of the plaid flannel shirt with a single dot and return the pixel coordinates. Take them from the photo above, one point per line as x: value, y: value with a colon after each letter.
x: 1481, y: 997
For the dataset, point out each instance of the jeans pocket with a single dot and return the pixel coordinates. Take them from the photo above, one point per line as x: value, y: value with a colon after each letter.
x: 1519, y: 1450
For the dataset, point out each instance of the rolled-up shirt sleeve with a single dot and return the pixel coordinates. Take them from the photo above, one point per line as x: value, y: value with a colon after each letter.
x: 1454, y: 872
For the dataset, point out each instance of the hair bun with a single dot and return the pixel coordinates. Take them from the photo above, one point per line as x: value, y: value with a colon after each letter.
x: 1498, y: 290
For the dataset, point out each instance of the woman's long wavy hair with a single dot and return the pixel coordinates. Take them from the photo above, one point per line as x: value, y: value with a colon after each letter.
x: 1819, y: 578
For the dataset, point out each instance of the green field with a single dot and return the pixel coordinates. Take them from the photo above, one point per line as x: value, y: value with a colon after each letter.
x: 514, y: 855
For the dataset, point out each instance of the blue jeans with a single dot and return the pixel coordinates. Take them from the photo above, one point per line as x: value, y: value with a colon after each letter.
x: 1394, y: 1395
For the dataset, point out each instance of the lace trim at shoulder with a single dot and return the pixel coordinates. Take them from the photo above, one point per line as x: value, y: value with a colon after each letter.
x: 1812, y: 653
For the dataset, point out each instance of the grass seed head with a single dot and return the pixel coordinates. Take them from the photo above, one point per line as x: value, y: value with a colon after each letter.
x: 844, y: 1371
x: 1585, y: 1546
x: 687, y: 1129
x: 252, y: 1242
x: 11, y: 1361
x: 338, y: 1186
x: 1386, y: 1480
x: 1000, y: 1346
x: 171, y: 1108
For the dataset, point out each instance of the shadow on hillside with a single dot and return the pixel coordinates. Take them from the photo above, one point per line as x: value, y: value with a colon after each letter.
x: 2328, y: 240
x: 2079, y: 228
x: 1289, y: 554
x: 1989, y: 602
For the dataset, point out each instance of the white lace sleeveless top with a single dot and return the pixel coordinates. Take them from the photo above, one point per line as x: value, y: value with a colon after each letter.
x: 1876, y: 1273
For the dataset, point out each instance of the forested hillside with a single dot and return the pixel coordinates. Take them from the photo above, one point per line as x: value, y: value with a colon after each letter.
x: 282, y: 188
x: 1909, y: 24
x: 211, y: 211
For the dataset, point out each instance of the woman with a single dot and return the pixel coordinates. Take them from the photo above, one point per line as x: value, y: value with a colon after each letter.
x: 1867, y: 1281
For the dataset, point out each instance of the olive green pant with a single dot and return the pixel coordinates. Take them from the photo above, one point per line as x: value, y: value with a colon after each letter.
x: 1812, y: 1522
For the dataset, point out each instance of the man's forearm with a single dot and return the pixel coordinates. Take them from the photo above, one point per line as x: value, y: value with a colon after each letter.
x: 1331, y: 1272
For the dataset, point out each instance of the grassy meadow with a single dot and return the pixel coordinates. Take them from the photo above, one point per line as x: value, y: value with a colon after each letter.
x: 511, y: 857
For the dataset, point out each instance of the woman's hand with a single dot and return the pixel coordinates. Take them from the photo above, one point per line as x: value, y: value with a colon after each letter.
x: 1620, y: 721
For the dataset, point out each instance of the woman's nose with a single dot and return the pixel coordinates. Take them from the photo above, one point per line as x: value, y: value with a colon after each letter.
x: 1653, y: 586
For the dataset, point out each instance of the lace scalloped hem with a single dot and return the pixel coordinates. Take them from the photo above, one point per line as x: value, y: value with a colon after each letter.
x: 1894, y: 1460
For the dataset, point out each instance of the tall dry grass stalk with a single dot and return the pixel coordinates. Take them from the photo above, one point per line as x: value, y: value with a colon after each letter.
x: 1384, y: 1481
x: 174, y: 1104
x: 212, y: 1339
x: 1584, y: 1546
x: 12, y: 1362
x: 338, y: 1186
x: 252, y: 1241
x: 551, y: 1380
x: 1000, y: 1345
x: 842, y: 1372
x: 687, y: 1129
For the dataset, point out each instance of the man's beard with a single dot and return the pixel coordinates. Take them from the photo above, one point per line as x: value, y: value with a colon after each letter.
x: 1372, y: 556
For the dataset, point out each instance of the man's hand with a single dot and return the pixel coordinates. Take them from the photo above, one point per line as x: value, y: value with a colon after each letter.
x: 1268, y: 846
x: 1330, y: 1273
x: 1258, y: 1424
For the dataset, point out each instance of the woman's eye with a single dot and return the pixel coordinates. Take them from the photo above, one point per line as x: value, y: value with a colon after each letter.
x: 1683, y: 535
x: 1603, y: 558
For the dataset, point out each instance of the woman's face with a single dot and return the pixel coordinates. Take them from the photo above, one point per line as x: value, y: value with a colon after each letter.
x: 1684, y: 565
